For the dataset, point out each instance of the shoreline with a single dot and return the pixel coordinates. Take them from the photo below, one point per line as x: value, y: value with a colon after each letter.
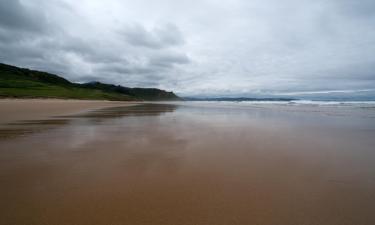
x: 33, y: 109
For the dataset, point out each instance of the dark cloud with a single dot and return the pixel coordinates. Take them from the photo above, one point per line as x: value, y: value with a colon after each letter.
x: 16, y: 16
x: 151, y: 66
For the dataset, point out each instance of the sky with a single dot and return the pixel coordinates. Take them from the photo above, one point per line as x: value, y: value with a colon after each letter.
x: 198, y: 48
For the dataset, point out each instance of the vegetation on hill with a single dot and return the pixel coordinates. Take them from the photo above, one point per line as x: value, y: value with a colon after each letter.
x: 24, y: 83
x: 142, y: 93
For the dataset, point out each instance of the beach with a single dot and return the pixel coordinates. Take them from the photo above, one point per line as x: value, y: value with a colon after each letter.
x: 28, y: 109
x: 97, y: 162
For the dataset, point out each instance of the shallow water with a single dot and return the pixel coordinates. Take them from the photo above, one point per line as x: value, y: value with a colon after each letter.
x: 191, y: 163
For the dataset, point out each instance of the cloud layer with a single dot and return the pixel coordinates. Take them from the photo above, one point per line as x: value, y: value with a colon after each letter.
x: 236, y: 47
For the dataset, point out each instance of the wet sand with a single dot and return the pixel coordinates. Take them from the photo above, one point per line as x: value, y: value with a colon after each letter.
x: 28, y: 109
x: 188, y: 164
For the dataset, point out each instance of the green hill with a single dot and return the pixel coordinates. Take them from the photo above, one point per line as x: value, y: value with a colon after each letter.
x: 24, y: 83
x: 142, y: 93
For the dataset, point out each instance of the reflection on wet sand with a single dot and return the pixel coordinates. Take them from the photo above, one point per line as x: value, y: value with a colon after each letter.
x: 121, y: 111
x: 163, y: 164
x: 26, y: 127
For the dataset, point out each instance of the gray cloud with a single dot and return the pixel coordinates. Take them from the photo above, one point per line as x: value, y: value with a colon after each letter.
x: 28, y: 40
x: 169, y: 60
x: 16, y: 16
x: 224, y: 47
x: 363, y: 8
x: 159, y: 37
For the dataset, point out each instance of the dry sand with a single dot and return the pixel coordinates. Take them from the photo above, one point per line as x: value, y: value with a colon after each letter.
x: 189, y: 165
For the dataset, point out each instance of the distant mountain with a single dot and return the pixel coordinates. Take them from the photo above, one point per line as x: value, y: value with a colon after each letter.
x: 24, y: 83
x: 239, y: 99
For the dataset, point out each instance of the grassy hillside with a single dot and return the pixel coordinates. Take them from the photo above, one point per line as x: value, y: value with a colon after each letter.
x: 142, y: 93
x: 24, y: 83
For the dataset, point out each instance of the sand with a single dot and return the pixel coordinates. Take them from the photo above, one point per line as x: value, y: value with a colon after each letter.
x: 28, y: 109
x: 185, y: 164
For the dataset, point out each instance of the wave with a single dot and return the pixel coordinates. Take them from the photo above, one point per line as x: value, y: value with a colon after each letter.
x: 333, y: 103
x: 291, y: 103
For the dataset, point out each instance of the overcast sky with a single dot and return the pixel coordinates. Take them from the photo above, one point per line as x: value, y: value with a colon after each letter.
x: 204, y: 47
